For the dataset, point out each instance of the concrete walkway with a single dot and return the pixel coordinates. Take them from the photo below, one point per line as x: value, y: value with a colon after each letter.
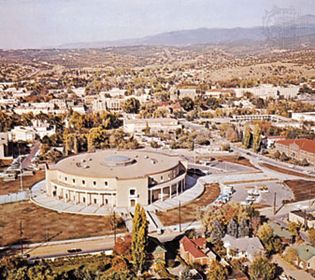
x: 40, y: 198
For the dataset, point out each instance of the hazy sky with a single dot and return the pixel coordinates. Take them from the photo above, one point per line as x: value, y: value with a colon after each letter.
x: 41, y: 23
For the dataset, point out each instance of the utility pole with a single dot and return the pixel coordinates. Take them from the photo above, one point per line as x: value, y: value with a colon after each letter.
x: 115, y: 228
x: 179, y: 217
x: 21, y: 177
x: 274, y: 203
x: 21, y: 236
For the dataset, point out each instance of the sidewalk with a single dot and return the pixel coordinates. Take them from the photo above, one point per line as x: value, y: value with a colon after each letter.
x: 290, y: 270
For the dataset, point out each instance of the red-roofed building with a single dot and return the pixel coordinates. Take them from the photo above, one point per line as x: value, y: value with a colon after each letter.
x: 299, y: 149
x: 195, y: 251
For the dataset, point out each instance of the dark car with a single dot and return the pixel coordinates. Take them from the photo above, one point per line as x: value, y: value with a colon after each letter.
x: 74, y: 250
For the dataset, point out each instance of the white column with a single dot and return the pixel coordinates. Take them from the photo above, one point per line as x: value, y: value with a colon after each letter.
x: 86, y: 199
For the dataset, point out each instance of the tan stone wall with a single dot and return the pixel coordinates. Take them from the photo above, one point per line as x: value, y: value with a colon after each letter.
x: 123, y: 191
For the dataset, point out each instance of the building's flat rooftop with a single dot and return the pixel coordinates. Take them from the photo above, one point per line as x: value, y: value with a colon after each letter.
x: 117, y: 164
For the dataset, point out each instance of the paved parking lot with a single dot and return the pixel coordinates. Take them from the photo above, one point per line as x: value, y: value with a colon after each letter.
x: 265, y: 198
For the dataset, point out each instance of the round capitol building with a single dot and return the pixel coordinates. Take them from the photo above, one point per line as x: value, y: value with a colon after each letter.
x: 116, y: 178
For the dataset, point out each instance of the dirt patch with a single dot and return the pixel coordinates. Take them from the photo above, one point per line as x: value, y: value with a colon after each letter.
x: 250, y: 181
x: 238, y: 160
x: 302, y: 189
x: 40, y: 224
x: 28, y: 182
x: 189, y: 211
x: 284, y: 171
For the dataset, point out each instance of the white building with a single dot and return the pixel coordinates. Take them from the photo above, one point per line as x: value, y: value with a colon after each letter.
x: 307, y: 116
x: 158, y: 124
x: 21, y: 133
x: 182, y: 93
x: 104, y: 103
x: 266, y: 90
x: 4, y: 145
x: 28, y: 133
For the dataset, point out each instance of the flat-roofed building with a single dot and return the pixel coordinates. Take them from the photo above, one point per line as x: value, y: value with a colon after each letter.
x: 299, y: 149
x: 302, y: 218
x: 182, y: 93
x: 307, y: 116
x: 158, y: 124
x: 117, y: 178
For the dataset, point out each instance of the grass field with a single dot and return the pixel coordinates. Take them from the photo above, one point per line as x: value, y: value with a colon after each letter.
x: 189, y: 211
x: 40, y: 224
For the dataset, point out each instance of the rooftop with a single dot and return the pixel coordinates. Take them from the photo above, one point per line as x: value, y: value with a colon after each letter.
x: 305, y: 252
x: 304, y: 144
x: 117, y: 164
x: 193, y: 246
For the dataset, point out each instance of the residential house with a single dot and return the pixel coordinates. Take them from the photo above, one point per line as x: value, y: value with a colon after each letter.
x: 303, y: 218
x: 243, y: 247
x: 306, y: 254
x: 195, y: 251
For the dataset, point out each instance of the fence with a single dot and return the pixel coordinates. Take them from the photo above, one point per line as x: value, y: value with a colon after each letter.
x: 14, y: 197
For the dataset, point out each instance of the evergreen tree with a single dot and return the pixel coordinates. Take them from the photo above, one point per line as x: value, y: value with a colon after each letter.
x: 139, y: 238
x: 232, y: 228
x: 244, y: 228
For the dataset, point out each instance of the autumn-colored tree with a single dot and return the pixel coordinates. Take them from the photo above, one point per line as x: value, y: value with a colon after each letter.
x: 131, y: 106
x: 217, y: 271
x: 75, y: 144
x: 256, y: 138
x: 90, y: 142
x: 291, y: 255
x: 311, y: 236
x: 293, y: 228
x: 139, y: 238
x: 123, y: 245
x: 66, y: 142
x: 262, y: 269
x: 247, y: 136
x: 266, y: 235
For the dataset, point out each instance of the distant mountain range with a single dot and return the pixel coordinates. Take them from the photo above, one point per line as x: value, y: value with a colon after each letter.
x: 299, y: 31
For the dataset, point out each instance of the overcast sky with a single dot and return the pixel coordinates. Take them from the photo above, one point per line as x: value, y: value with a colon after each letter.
x: 42, y: 23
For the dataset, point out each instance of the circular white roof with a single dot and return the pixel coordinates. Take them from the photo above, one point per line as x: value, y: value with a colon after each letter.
x: 117, y: 164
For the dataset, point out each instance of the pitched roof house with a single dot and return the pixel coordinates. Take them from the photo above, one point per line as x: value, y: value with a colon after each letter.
x: 243, y: 247
x: 195, y: 251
